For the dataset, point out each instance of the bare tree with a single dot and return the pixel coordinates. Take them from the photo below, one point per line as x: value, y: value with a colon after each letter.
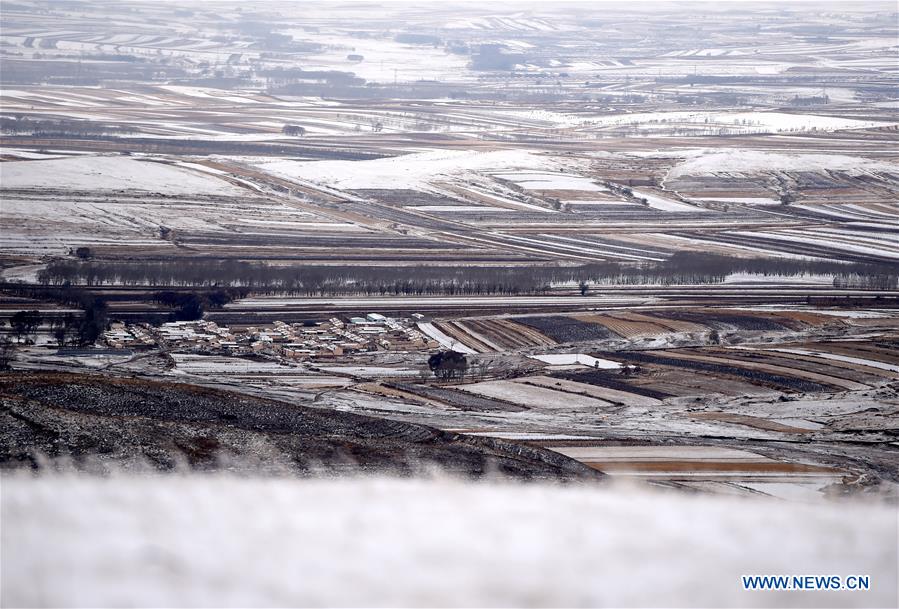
x: 7, y: 353
x: 294, y: 130
x: 25, y: 323
x: 448, y: 365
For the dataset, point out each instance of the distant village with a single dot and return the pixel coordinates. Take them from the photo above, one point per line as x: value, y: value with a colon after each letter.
x: 297, y: 341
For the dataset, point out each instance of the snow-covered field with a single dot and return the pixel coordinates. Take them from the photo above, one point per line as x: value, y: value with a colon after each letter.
x: 213, y: 364
x: 532, y: 396
x: 415, y: 170
x: 551, y: 181
x: 366, y: 371
x: 665, y: 203
x: 384, y: 59
x: 582, y: 359
x: 841, y: 358
x: 705, y: 162
x: 111, y: 173
x: 202, y: 541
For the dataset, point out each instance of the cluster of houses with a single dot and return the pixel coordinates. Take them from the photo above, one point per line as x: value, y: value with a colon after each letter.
x: 120, y: 336
x: 296, y: 341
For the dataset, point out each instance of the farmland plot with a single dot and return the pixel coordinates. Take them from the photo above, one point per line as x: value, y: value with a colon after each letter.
x: 461, y: 399
x: 726, y: 321
x: 614, y: 382
x: 754, y: 374
x: 623, y: 327
x: 808, y: 362
x: 604, y: 393
x: 465, y: 337
x: 696, y: 462
x: 539, y: 398
x: 506, y: 334
x: 777, y: 368
x: 115, y: 173
x: 836, y: 357
x: 566, y: 329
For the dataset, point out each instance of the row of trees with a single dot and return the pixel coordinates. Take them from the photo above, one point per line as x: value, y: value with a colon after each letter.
x: 448, y: 365
x: 25, y: 323
x: 225, y: 275
x: 86, y: 328
x: 191, y: 306
x: 48, y: 127
x: 69, y: 329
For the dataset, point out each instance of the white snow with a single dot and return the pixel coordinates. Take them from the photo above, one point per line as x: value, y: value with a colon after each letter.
x: 110, y: 173
x: 208, y: 93
x: 384, y: 59
x: 664, y: 203
x: 370, y: 370
x: 743, y: 200
x: 570, y: 359
x: 219, y: 541
x: 814, y: 238
x: 213, y: 364
x: 754, y: 161
x: 415, y: 170
x: 552, y: 181
x: 471, y: 208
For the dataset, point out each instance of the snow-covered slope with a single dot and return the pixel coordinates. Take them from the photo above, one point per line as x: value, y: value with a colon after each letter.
x: 111, y: 173
x: 415, y: 170
x: 701, y: 162
x: 226, y: 541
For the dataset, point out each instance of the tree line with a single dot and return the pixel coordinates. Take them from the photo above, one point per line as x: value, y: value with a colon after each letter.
x: 681, y: 268
x: 62, y: 127
x: 68, y: 329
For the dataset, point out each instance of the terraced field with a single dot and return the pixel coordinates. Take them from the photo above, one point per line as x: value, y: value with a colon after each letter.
x: 497, y: 334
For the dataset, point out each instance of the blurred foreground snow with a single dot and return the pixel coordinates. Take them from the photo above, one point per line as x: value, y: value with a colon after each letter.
x: 208, y: 540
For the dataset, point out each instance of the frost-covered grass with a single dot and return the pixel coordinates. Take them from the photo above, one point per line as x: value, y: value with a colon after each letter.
x: 192, y: 541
